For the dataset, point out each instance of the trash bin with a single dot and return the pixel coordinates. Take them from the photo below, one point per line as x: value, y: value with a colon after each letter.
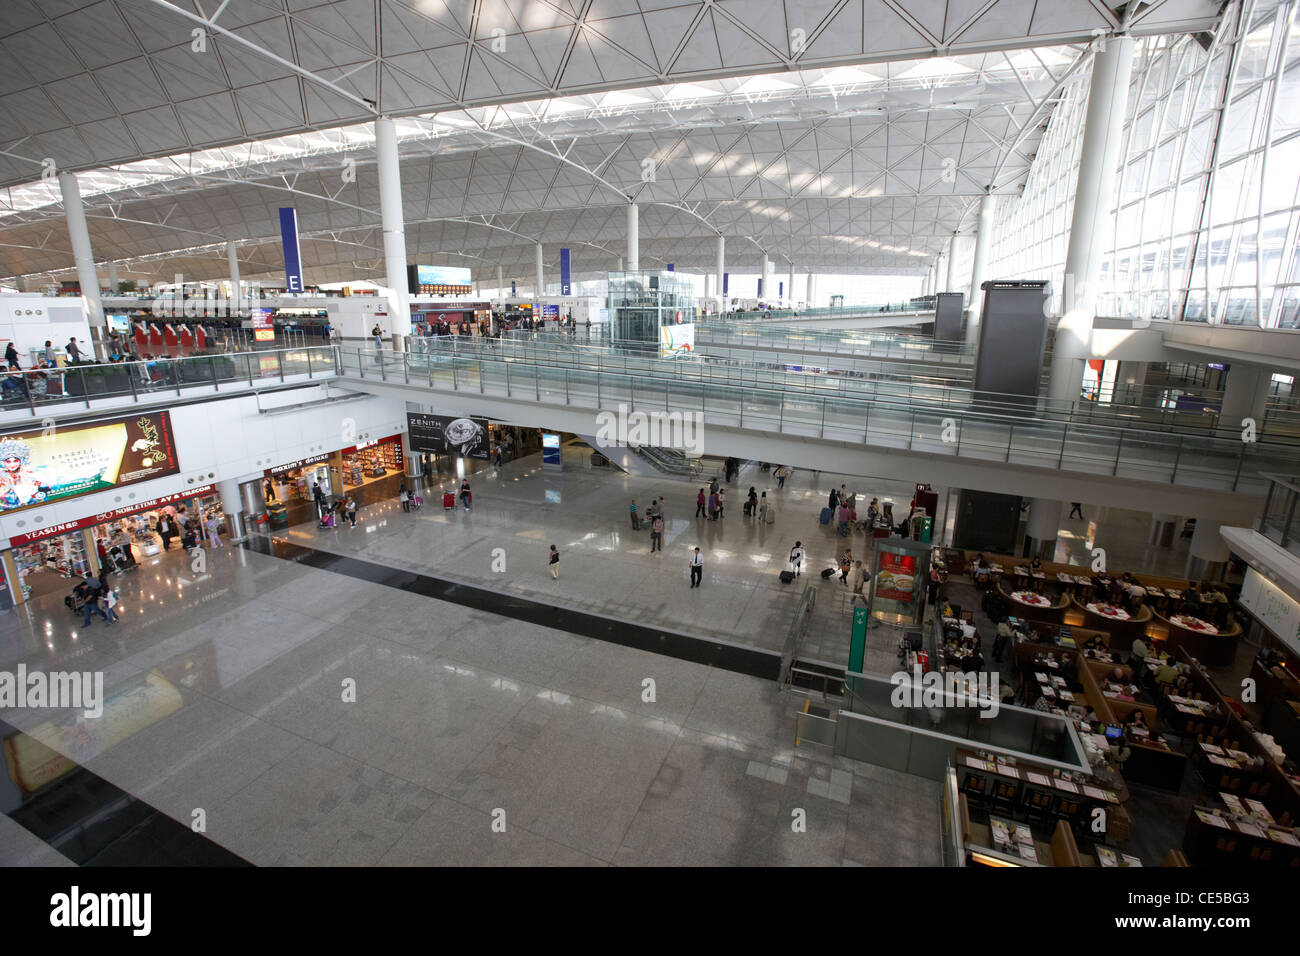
x: 278, y: 515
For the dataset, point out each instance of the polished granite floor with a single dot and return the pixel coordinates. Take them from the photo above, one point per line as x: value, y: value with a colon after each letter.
x: 235, y: 673
x: 235, y: 679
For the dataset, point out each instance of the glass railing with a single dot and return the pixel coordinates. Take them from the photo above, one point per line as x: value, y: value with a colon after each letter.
x: 928, y: 388
x: 825, y: 312
x: 1280, y: 521
x: 976, y: 433
x: 34, y: 389
x: 860, y: 342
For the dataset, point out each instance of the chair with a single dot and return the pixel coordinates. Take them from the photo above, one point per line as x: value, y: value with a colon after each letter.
x: 1004, y: 795
x: 1229, y: 784
x: 976, y: 786
x: 1068, y: 809
x: 1260, y: 790
x: 1036, y: 805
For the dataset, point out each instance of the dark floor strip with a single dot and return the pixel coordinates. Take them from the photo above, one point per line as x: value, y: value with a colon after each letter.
x: 752, y: 661
x: 94, y: 823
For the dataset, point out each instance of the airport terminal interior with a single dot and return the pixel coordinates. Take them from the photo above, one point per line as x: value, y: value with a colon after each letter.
x: 650, y: 433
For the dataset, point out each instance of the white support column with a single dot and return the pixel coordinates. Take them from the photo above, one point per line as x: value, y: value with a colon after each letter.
x: 789, y: 287
x: 79, y: 235
x: 633, y: 239
x: 1208, y: 554
x: 501, y: 283
x: 951, y: 285
x: 983, y: 243
x: 1091, y: 226
x: 113, y: 280
x: 620, y: 263
x: 808, y: 295
x: 769, y: 293
x: 940, y: 273
x: 390, y: 212
x: 1042, y: 528
x: 925, y: 282
x: 722, y: 260
x: 233, y: 259
x: 541, y: 279
x: 1245, y: 394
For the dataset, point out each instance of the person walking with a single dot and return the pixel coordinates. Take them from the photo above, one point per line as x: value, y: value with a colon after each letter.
x: 796, y: 558
x: 697, y: 568
x: 351, y: 507
x: 857, y: 578
x: 663, y: 511
x: 834, y: 500
x: 165, y: 530
x: 554, y: 562
x: 90, y: 594
x: 11, y: 356
x: 713, y: 506
x: 701, y: 505
x: 713, y: 485
x: 1076, y: 506
x: 74, y: 353
x: 657, y: 534
x: 762, y: 508
x: 497, y: 454
x: 318, y: 496
x: 782, y: 474
x: 404, y: 497
x: 214, y: 531
x: 636, y: 520
x: 751, y: 502
x: 466, y: 496
x: 722, y: 502
x: 51, y: 356
x: 268, y: 490
x: 110, y: 605
x: 846, y: 565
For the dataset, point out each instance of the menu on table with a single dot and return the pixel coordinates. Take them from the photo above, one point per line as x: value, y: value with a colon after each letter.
x: 977, y: 764
x: 1130, y: 860
x: 1213, y: 819
x: 1039, y: 779
x: 1259, y: 809
x: 1281, y: 836
x: 1106, y: 856
x: 1066, y: 695
x: 1249, y: 829
x: 1027, y: 852
x: 1212, y: 749
x: 1041, y: 677
x: 1065, y: 785
x: 1231, y: 801
x: 1093, y: 792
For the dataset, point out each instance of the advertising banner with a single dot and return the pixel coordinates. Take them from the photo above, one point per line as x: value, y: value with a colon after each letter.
x: 445, y: 435
x: 293, y: 281
x: 676, y: 340
x: 263, y: 325
x: 566, y: 285
x: 41, y: 466
x: 896, y: 576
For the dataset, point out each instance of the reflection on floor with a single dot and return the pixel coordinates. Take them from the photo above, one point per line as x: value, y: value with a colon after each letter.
x: 459, y: 715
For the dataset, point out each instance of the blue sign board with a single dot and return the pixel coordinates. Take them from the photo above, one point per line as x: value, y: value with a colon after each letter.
x: 725, y: 276
x: 550, y: 311
x: 565, y: 276
x: 292, y: 253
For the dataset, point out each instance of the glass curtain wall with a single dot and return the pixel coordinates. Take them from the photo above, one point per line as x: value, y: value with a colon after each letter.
x: 1207, y: 214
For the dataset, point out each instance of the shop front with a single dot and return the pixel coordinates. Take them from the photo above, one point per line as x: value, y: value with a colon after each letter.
x: 369, y: 472
x: 45, y: 561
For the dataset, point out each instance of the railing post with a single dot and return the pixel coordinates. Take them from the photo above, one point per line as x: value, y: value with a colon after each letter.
x: 1065, y: 433
x: 279, y: 361
x: 911, y: 430
x: 455, y: 374
x: 1010, y: 438
x: 1178, y: 456
x: 309, y: 375
x: 1290, y: 517
x: 508, y: 385
x: 85, y: 389
x: 781, y: 422
x: 213, y: 362
x: 135, y: 395
x: 1241, y: 458
x: 1118, y: 450
x: 248, y: 362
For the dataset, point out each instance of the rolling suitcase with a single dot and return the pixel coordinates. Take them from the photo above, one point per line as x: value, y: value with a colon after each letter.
x: 826, y: 516
x: 787, y: 577
x: 448, y: 501
x: 828, y: 572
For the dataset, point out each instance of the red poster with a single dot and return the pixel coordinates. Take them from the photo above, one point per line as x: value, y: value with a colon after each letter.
x: 896, y: 576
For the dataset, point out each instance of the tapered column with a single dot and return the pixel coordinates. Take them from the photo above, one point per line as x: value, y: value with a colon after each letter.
x: 394, y: 228
x: 75, y: 214
x: 233, y: 259
x: 1091, y: 225
x: 633, y: 239
x: 717, y: 279
x: 983, y: 242
x: 951, y: 285
x: 541, y: 279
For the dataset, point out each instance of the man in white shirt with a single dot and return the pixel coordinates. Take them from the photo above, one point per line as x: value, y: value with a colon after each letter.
x: 796, y: 557
x: 697, y: 568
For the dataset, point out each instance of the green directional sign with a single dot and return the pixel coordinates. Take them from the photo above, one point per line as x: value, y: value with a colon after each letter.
x: 858, y: 642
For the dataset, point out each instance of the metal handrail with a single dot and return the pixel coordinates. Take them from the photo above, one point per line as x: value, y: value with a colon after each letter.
x: 933, y: 395
x: 1018, y: 439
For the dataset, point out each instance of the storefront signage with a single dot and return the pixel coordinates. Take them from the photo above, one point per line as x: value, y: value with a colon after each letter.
x: 105, y: 516
x: 39, y: 467
x: 301, y: 463
x: 445, y: 435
